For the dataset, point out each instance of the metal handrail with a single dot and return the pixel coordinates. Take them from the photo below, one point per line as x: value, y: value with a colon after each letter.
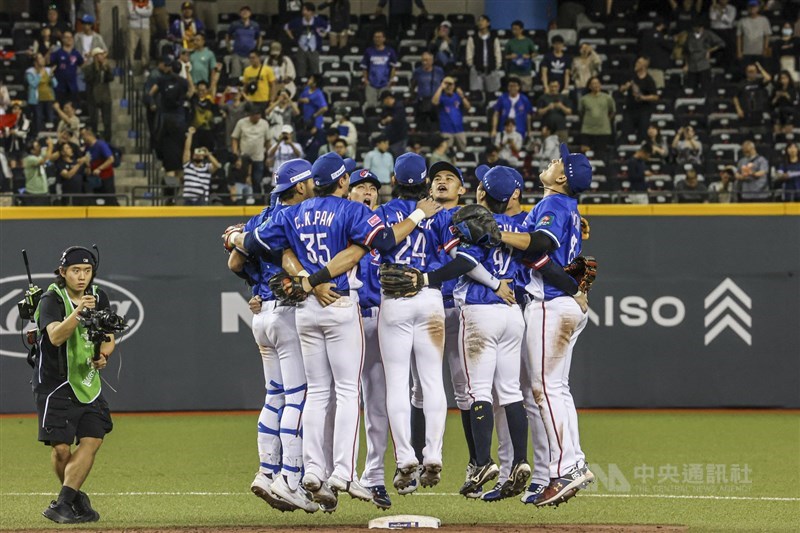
x: 19, y: 199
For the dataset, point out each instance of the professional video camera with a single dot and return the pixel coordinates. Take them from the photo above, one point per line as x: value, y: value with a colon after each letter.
x: 100, y: 322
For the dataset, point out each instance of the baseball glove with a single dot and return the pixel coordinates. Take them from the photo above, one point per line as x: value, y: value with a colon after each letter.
x: 286, y: 288
x: 585, y: 229
x: 584, y: 270
x: 400, y: 281
x: 474, y: 224
x: 235, y: 228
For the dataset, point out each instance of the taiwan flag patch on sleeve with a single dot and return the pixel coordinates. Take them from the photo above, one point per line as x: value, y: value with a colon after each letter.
x: 374, y: 221
x: 546, y: 220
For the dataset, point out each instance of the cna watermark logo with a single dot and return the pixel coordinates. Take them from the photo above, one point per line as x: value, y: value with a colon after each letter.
x: 12, y: 290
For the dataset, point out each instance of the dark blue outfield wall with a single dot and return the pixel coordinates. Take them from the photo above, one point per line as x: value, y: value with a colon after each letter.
x: 687, y: 311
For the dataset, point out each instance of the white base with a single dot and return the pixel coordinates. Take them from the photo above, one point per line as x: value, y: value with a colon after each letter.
x: 404, y: 521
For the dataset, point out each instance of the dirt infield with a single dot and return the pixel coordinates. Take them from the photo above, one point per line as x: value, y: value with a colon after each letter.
x: 455, y: 528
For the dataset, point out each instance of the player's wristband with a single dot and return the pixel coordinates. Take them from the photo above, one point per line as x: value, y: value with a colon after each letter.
x: 242, y: 251
x: 320, y: 276
x: 578, y: 294
x: 499, y: 284
x: 417, y: 216
x: 304, y: 273
x: 425, y: 279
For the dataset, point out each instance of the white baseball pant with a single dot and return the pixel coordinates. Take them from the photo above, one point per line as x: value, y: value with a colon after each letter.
x: 269, y: 442
x: 373, y: 386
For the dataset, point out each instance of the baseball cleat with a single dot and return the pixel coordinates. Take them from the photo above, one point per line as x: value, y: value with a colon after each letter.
x: 380, y: 497
x: 353, y: 488
x: 61, y: 513
x: 496, y: 494
x: 468, y: 474
x: 262, y: 487
x: 588, y: 474
x: 431, y: 475
x: 298, y: 497
x: 321, y: 492
x: 534, y: 494
x: 563, y: 488
x: 517, y: 480
x: 404, y: 478
x: 483, y: 474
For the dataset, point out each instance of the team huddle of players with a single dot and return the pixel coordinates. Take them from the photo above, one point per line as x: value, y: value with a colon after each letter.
x: 503, y: 313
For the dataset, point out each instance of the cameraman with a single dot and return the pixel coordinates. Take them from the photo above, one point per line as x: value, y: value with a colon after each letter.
x: 66, y: 383
x: 285, y: 149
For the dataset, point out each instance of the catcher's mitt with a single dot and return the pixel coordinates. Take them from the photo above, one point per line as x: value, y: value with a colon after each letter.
x: 235, y: 228
x: 474, y: 224
x: 585, y: 229
x: 286, y: 288
x: 400, y: 281
x: 584, y: 270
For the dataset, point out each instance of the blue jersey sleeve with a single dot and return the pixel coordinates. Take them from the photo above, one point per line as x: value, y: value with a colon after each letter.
x: 272, y: 233
x: 364, y: 224
x: 551, y: 223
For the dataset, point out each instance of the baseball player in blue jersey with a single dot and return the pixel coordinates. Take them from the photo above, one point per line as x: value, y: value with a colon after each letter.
x: 364, y: 187
x: 319, y: 232
x: 279, y: 427
x: 554, y: 228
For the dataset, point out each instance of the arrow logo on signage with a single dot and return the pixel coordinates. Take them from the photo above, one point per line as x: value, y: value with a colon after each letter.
x: 730, y: 302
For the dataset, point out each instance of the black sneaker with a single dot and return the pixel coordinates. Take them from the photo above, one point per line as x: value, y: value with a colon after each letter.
x: 61, y: 513
x: 380, y: 497
x: 83, y: 508
x: 481, y: 476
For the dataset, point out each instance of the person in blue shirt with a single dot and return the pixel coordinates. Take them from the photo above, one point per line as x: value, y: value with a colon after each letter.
x: 555, y: 65
x: 307, y: 31
x: 378, y: 68
x: 425, y: 80
x: 313, y: 104
x: 513, y: 105
x: 451, y: 101
x: 244, y: 36
x: 66, y: 62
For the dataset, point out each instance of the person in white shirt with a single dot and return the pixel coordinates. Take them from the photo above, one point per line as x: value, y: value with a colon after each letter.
x: 139, y: 13
x: 722, y: 16
x: 285, y: 149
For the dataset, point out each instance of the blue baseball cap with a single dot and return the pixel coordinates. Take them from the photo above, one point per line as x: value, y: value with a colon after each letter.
x: 481, y: 170
x: 290, y: 173
x: 327, y: 169
x: 362, y: 175
x: 444, y: 165
x: 350, y: 165
x: 410, y: 169
x: 577, y: 169
x: 87, y: 19
x: 500, y: 182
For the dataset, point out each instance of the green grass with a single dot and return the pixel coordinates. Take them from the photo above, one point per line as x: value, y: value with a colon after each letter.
x: 217, y: 454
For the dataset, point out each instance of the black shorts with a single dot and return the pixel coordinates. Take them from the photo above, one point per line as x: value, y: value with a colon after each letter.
x: 63, y: 419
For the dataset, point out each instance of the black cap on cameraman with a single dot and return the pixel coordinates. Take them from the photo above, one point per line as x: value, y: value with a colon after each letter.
x: 76, y: 256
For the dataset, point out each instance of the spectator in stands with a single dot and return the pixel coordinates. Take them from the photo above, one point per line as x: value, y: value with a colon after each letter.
x: 452, y: 103
x: 555, y: 64
x: 379, y: 160
x: 788, y: 173
x: 401, y: 15
x: 515, y: 105
x: 183, y: 30
x: 17, y: 135
x: 40, y: 92
x: 340, y: 23
x: 45, y: 44
x: 258, y: 81
x: 33, y: 165
x: 378, y: 68
x: 752, y: 99
x: 690, y: 190
x: 240, y: 179
x: 549, y: 148
x: 285, y: 149
x: 510, y: 142
x: 596, y: 110
x: 289, y: 10
x: 655, y: 144
x: 98, y: 76
x: 70, y: 173
x: 101, y: 165
x: 66, y: 61
x: 641, y: 95
x: 88, y: 39
x: 721, y: 192
x: 308, y: 31
x: 752, y: 35
x: 484, y: 58
x: 204, y: 113
x: 395, y: 126
x: 519, y: 52
x: 160, y: 19
x: 786, y: 102
x: 283, y: 67
x: 139, y: 13
x: 243, y: 36
x: 700, y: 46
x: 198, y: 167
x: 751, y: 175
x: 425, y: 80
x: 687, y: 147
x: 90, y: 8
x: 685, y: 14
x: 172, y: 91
x: 444, y: 45
x: 491, y: 158
x: 340, y: 147
x: 68, y: 120
x: 347, y: 131
x: 251, y: 138
x: 638, y: 171
x: 658, y: 45
x: 56, y: 26
x: 186, y: 64
x: 723, y: 22
x: 440, y: 152
x: 585, y: 66
x: 202, y: 59
x: 281, y: 111
x: 313, y: 104
x: 331, y: 136
x: 552, y: 109
x: 786, y: 50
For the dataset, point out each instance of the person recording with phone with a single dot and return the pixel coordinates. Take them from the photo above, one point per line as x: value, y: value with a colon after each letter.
x: 73, y: 318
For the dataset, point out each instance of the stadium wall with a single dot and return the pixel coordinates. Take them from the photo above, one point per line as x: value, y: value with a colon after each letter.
x: 695, y: 306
